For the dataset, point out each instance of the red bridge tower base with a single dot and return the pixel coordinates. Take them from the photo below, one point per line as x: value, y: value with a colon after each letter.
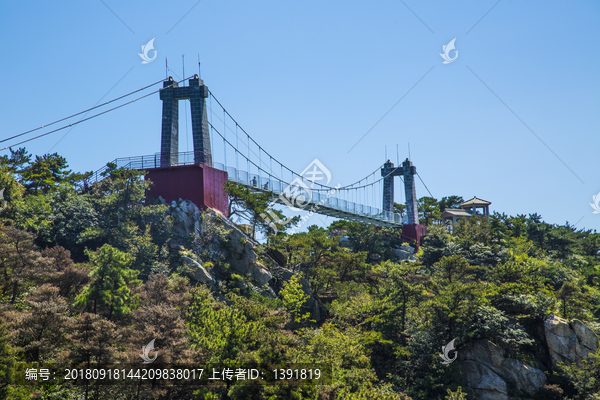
x: 201, y: 184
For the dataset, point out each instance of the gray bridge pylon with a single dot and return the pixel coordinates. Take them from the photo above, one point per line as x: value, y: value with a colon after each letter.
x: 408, y: 171
x: 196, y: 93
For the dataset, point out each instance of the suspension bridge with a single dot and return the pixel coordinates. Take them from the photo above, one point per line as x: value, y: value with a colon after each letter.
x: 224, y: 151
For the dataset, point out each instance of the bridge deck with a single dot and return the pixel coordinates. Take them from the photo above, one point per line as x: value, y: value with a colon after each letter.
x: 321, y: 202
x: 318, y: 203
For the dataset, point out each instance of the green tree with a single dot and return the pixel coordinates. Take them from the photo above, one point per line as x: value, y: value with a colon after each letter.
x: 255, y: 208
x: 450, y: 202
x: 118, y: 198
x: 402, y: 289
x: 109, y: 292
x: 70, y: 216
x: 400, y: 209
x: 294, y: 298
x: 573, y: 301
x: 21, y: 264
x: 428, y: 209
x: 7, y: 362
x: 47, y: 172
x: 457, y: 296
x: 457, y: 395
x: 221, y: 333
x: 17, y: 160
x: 437, y: 243
x: 377, y: 243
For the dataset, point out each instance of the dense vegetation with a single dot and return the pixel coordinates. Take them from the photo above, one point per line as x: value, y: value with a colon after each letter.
x: 88, y: 274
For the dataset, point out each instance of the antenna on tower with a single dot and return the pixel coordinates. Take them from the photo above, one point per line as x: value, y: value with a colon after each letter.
x: 199, y: 71
x: 409, y: 152
x: 183, y: 66
x: 166, y: 68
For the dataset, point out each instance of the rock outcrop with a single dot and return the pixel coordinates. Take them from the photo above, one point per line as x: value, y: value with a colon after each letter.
x: 405, y: 253
x: 198, y: 272
x: 186, y: 220
x: 240, y: 254
x: 568, y: 342
x: 493, y: 376
x: 240, y: 251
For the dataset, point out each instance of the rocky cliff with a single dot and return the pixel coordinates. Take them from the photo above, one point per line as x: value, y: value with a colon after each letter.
x: 238, y: 249
x: 493, y: 376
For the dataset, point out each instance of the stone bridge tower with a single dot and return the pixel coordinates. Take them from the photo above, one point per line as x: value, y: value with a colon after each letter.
x: 412, y: 230
x: 196, y: 93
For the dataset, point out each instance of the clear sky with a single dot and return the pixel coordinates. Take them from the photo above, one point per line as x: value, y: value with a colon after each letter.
x: 513, y: 120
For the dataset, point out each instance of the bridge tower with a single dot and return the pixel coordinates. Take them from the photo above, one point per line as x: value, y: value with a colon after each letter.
x: 196, y: 93
x: 177, y: 179
x: 412, y: 230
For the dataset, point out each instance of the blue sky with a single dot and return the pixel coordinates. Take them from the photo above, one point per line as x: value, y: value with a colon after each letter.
x: 308, y: 79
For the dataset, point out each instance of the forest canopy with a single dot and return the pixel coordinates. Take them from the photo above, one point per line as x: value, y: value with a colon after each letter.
x: 92, y: 273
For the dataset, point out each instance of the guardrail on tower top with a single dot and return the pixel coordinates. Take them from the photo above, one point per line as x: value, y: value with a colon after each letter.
x: 140, y: 163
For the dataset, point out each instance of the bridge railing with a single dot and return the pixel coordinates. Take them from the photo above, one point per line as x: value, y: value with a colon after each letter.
x: 277, y: 186
x: 142, y: 163
x: 261, y: 180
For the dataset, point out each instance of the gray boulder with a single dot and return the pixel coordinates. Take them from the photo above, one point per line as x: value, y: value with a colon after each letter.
x: 490, y: 373
x: 570, y: 343
x: 198, y: 272
x: 587, y: 338
x: 484, y: 382
x: 186, y: 220
x: 402, y: 254
x: 525, y: 378
x: 241, y: 250
x: 405, y: 253
x: 407, y: 248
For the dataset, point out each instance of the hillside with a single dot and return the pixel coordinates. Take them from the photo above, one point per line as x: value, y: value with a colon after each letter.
x: 92, y: 275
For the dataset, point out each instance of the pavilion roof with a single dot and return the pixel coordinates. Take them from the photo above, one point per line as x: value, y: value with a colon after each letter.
x: 454, y: 212
x: 475, y: 202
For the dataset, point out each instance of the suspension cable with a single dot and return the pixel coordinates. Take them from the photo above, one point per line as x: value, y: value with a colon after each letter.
x: 81, y: 112
x: 88, y: 118
x: 424, y: 184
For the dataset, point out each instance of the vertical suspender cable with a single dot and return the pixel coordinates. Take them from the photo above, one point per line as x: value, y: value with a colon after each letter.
x: 237, y: 146
x: 248, y: 156
x: 212, y: 133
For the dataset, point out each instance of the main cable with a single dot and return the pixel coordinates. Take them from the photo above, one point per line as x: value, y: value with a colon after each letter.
x: 93, y: 116
x: 268, y: 154
x: 79, y: 113
x: 425, y: 185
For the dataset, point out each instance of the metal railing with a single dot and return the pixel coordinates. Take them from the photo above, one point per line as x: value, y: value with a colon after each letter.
x: 261, y: 181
